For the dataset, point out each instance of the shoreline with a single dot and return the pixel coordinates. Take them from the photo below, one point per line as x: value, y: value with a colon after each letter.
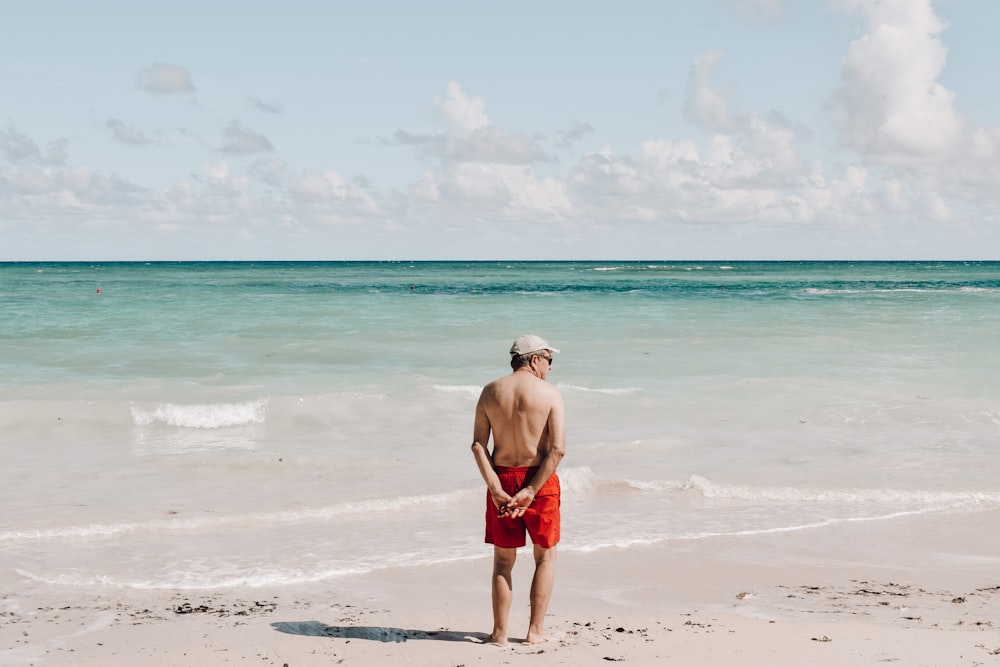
x: 647, y: 605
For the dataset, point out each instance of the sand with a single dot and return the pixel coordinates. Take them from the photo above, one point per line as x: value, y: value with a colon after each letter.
x: 684, y: 606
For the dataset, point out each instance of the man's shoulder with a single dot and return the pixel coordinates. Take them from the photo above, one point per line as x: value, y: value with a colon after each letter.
x: 494, y: 387
x: 552, y: 391
x: 499, y: 382
x: 539, y: 387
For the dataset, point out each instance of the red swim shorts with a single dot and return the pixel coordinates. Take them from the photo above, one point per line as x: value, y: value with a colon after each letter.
x: 541, y: 519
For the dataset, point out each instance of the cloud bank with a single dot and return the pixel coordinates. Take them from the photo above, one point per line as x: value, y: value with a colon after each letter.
x: 907, y: 163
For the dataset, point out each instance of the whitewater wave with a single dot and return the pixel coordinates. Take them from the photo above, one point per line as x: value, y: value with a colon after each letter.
x: 587, y: 480
x: 463, y: 389
x: 573, y: 480
x: 823, y: 291
x: 210, y: 575
x: 357, y: 396
x: 201, y: 416
x: 355, y: 510
x: 623, y: 542
x: 611, y: 392
x: 846, y: 496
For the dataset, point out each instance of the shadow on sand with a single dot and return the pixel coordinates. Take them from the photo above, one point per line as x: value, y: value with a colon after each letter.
x: 374, y: 633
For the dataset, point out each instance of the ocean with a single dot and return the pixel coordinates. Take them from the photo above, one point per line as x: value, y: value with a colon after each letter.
x: 196, y: 426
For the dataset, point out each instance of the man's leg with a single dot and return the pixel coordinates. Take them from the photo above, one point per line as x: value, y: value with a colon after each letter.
x: 503, y: 565
x: 541, y: 591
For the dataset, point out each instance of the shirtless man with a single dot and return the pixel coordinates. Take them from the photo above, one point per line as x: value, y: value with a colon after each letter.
x: 526, y: 417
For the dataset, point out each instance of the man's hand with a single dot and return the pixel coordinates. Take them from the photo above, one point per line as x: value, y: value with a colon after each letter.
x: 518, y: 504
x: 501, y: 500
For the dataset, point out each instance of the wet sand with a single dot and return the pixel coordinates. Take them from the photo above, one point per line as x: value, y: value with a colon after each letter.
x: 650, y: 607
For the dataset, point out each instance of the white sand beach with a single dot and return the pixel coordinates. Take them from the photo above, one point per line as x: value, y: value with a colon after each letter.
x: 637, y: 606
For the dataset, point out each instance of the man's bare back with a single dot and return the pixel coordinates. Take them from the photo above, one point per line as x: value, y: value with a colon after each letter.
x: 525, y: 416
x: 522, y: 411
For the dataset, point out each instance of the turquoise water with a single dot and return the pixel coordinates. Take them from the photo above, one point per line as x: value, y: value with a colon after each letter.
x: 147, y: 408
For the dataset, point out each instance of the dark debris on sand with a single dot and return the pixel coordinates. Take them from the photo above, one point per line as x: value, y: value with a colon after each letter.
x: 240, y: 608
x: 898, y: 603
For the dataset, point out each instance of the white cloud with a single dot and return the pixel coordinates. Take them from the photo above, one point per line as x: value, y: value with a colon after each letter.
x: 933, y: 167
x: 750, y: 177
x: 483, y: 168
x: 328, y: 197
x: 57, y: 152
x: 463, y: 113
x: 239, y: 140
x: 706, y: 105
x: 912, y: 163
x: 894, y: 109
x: 217, y: 196
x: 470, y: 136
x: 772, y: 140
x: 426, y: 188
x: 270, y: 172
x: 46, y: 192
x: 533, y: 195
x: 750, y: 171
x: 19, y: 148
x: 165, y: 79
x: 217, y: 173
x: 500, y: 190
x: 490, y: 146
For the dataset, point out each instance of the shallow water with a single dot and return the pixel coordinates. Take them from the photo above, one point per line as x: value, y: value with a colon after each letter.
x: 204, y: 425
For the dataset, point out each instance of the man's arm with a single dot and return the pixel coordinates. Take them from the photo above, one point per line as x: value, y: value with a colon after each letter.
x: 554, y: 453
x: 480, y: 440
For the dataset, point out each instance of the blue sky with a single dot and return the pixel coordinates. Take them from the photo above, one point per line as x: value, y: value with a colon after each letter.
x: 723, y: 129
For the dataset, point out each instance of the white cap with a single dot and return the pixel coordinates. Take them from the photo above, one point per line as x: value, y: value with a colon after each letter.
x: 529, y: 343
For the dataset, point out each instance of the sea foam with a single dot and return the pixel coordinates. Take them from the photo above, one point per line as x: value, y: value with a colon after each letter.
x: 845, y: 496
x: 203, y: 416
x: 464, y: 390
x: 357, y: 510
x: 621, y: 391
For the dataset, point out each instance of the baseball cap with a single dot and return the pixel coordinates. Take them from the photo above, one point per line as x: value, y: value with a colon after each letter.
x: 529, y: 343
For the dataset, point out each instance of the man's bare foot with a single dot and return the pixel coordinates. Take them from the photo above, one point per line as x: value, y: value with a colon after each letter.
x: 536, y: 638
x: 500, y: 639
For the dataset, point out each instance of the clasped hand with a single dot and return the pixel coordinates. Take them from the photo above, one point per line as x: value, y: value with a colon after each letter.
x: 513, y: 506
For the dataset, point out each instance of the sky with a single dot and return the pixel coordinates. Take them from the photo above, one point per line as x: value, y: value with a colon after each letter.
x: 465, y: 130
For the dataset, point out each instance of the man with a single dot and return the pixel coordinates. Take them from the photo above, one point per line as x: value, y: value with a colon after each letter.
x: 526, y: 417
